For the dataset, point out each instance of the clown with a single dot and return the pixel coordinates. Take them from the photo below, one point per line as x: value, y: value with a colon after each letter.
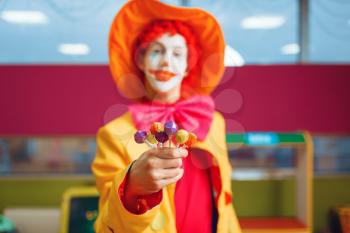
x: 168, y: 59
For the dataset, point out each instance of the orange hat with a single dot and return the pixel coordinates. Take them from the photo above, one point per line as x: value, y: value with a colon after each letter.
x: 131, y: 20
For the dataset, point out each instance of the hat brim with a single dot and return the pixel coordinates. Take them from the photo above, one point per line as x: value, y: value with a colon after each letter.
x: 131, y: 20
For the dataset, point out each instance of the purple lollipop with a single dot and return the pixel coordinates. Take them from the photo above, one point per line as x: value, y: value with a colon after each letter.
x: 170, y: 128
x: 161, y: 137
x: 140, y: 136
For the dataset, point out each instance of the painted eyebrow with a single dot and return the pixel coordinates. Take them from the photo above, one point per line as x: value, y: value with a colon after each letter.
x: 156, y: 43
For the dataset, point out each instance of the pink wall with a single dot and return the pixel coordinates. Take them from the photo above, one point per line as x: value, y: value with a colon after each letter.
x: 77, y: 99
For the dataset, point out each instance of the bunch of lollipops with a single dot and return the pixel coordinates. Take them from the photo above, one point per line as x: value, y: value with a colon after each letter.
x: 160, y: 133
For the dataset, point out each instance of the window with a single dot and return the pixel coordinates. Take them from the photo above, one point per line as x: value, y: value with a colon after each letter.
x: 256, y: 31
x: 262, y: 31
x: 329, y: 31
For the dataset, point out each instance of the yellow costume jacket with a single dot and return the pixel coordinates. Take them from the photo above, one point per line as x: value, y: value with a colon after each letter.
x: 116, y: 149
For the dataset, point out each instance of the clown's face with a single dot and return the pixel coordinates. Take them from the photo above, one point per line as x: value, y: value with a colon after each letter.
x: 165, y: 62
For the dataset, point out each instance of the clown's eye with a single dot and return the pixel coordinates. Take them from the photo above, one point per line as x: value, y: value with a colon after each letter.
x: 156, y: 51
x: 177, y: 54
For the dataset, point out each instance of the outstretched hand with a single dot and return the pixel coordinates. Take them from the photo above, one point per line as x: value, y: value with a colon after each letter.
x: 154, y: 170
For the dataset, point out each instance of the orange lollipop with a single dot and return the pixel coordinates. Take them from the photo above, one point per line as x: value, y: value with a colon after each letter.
x: 157, y: 127
x: 192, y: 139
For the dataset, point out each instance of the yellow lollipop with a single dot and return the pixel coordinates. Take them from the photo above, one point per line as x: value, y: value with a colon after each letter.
x: 182, y: 136
x: 151, y: 138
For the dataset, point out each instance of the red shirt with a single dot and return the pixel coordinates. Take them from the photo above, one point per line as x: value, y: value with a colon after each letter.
x: 193, y: 196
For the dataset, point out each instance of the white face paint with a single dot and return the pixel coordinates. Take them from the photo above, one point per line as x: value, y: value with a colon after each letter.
x: 165, y: 62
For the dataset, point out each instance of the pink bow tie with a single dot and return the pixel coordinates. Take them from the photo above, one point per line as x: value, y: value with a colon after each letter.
x: 194, y: 114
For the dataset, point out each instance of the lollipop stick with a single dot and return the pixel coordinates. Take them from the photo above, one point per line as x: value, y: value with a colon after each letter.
x: 149, y: 144
x: 170, y: 138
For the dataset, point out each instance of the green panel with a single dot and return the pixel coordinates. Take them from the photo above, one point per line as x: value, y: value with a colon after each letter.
x: 282, y: 138
x: 235, y: 138
x: 291, y: 138
x: 329, y: 192
x: 264, y: 198
x: 36, y: 192
x: 287, y: 198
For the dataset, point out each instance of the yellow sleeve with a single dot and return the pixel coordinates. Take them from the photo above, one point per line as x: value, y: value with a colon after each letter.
x: 233, y: 224
x: 110, y: 168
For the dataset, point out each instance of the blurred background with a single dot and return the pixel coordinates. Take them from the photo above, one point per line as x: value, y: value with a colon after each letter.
x: 287, y: 77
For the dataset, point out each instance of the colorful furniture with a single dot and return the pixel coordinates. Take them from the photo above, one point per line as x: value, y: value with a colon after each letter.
x: 79, y: 210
